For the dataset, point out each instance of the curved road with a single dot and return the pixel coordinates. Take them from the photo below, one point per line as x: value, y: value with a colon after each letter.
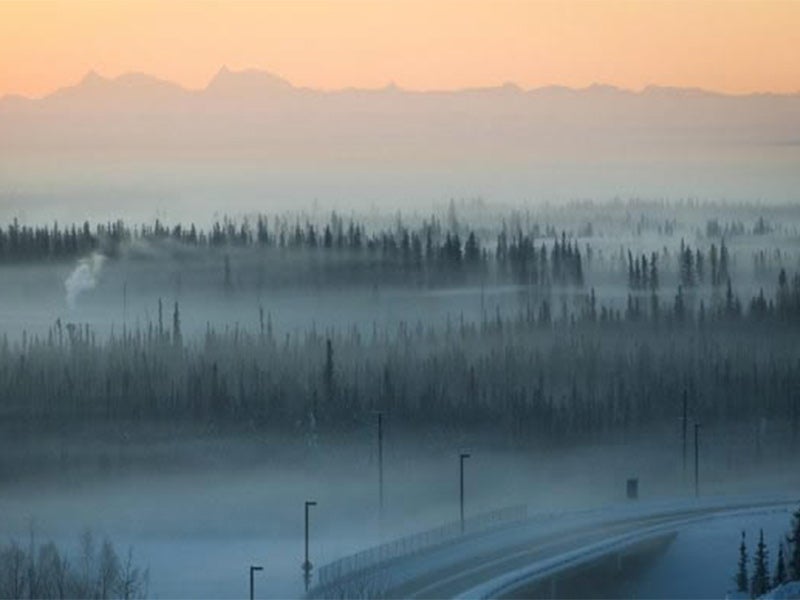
x: 497, y: 562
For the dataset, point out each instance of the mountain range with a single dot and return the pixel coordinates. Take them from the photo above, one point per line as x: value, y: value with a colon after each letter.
x: 255, y: 113
x: 250, y: 129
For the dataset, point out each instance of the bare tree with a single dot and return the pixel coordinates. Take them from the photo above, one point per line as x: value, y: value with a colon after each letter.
x: 133, y: 581
x: 108, y: 575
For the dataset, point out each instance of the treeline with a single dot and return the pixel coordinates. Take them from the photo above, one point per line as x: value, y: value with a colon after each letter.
x: 24, y: 243
x: 687, y: 307
x: 562, y: 264
x: 19, y: 243
x: 539, y: 373
x: 343, y: 252
x: 529, y: 255
x: 441, y: 252
x: 764, y: 579
x: 44, y: 571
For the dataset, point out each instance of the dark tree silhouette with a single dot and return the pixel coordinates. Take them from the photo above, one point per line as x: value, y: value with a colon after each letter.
x: 793, y: 540
x: 779, y: 578
x: 759, y: 584
x: 742, y: 581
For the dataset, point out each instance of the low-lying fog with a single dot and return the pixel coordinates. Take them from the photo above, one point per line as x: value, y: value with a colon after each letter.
x: 301, y: 289
x: 148, y: 393
x: 200, y: 509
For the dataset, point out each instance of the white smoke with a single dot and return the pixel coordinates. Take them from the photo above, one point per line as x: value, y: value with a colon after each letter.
x: 84, y: 277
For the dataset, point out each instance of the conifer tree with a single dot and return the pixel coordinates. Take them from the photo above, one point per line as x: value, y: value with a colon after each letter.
x: 328, y: 373
x: 713, y: 258
x: 723, y: 262
x: 741, y: 573
x: 780, y: 569
x: 759, y: 584
x: 160, y: 320
x: 794, y: 547
x: 653, y: 273
x: 176, y: 325
x: 680, y: 306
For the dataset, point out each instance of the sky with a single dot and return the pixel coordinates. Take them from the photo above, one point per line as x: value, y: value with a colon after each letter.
x: 727, y: 46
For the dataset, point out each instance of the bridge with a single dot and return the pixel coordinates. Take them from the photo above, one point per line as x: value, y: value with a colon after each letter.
x: 508, y: 553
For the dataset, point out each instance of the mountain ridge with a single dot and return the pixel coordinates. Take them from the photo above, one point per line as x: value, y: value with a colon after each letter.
x: 254, y: 115
x: 226, y: 79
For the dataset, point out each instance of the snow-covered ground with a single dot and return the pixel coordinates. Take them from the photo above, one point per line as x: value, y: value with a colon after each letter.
x: 787, y: 591
x: 199, y: 512
x: 701, y: 561
x: 500, y: 561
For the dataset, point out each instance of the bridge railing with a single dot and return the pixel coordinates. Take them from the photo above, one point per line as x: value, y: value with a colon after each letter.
x: 350, y: 566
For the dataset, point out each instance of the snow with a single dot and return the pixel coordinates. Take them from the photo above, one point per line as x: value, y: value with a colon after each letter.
x: 708, y: 541
x: 701, y: 561
x: 787, y: 591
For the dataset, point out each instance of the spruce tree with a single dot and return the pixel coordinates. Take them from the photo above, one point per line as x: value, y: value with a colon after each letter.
x: 680, y: 306
x: 328, y: 374
x: 794, y: 547
x: 780, y: 569
x: 176, y: 325
x: 741, y: 573
x: 759, y: 584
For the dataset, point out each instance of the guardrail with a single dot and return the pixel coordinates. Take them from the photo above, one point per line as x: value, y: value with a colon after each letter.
x: 509, y: 582
x: 348, y: 567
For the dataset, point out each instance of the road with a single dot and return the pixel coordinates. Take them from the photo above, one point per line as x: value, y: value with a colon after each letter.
x: 497, y: 562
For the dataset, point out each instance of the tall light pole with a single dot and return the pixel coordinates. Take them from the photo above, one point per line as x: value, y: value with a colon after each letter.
x: 380, y: 463
x: 685, y: 424
x: 307, y: 566
x: 461, y: 457
x: 253, y: 569
x: 697, y: 459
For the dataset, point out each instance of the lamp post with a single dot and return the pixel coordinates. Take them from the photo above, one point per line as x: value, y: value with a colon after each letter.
x: 253, y: 569
x: 684, y: 424
x: 307, y: 566
x: 697, y: 459
x: 461, y: 457
x: 380, y: 463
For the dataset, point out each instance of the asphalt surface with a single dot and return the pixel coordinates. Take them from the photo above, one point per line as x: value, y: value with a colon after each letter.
x: 455, y: 569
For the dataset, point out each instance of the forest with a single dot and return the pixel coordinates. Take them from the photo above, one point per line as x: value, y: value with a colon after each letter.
x: 598, y: 336
x: 238, y: 368
x: 42, y: 570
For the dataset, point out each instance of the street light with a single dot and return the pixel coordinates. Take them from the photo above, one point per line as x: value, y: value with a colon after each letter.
x: 253, y: 569
x: 697, y: 459
x: 684, y: 424
x: 380, y: 463
x: 461, y: 457
x: 307, y: 566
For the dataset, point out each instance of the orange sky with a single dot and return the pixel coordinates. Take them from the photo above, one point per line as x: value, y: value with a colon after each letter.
x: 428, y: 44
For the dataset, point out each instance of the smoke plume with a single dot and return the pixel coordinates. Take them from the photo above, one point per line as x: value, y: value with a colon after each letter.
x: 84, y: 277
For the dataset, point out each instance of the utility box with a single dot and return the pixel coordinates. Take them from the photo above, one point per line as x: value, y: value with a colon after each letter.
x: 632, y: 488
